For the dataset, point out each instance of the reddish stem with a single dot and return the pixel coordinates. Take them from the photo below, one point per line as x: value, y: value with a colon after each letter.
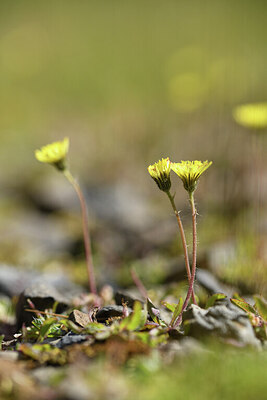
x: 194, y: 260
x: 181, y: 228
x: 86, y: 236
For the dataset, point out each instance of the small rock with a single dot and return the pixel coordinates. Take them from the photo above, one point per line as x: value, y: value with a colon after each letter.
x: 223, y: 319
x: 43, y: 296
x: 79, y: 318
x: 70, y: 338
x: 107, y: 312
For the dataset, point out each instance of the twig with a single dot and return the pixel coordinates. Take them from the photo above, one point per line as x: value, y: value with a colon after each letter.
x: 47, y: 313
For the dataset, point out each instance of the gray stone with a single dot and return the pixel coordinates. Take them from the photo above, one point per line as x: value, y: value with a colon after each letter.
x: 79, y: 318
x: 43, y: 296
x: 69, y: 339
x: 223, y: 319
x: 107, y: 312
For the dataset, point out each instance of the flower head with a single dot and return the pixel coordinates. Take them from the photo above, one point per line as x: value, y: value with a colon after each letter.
x: 54, y: 154
x: 252, y: 115
x: 189, y: 172
x: 160, y: 172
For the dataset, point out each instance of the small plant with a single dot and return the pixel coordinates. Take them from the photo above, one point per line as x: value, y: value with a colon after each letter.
x: 160, y: 172
x: 42, y: 328
x: 256, y: 313
x: 56, y: 154
x: 189, y: 172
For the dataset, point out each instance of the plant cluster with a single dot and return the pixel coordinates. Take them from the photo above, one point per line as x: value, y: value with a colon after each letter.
x: 143, y: 323
x: 134, y: 333
x: 142, y: 328
x: 188, y: 171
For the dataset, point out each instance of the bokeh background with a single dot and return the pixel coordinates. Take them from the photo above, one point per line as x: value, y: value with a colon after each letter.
x: 128, y: 83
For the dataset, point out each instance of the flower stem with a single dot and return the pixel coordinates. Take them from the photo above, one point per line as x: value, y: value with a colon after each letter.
x: 181, y: 228
x: 194, y: 259
x: 86, y: 236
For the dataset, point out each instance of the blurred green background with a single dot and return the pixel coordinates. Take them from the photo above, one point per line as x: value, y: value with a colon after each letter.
x: 128, y: 80
x: 133, y: 81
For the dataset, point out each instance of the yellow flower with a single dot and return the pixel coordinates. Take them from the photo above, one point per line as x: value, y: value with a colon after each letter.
x: 252, y: 115
x: 160, y: 172
x: 189, y: 172
x: 54, y: 153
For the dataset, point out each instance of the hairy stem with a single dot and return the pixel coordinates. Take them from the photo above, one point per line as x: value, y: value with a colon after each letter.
x: 86, y: 236
x: 181, y: 228
x: 194, y: 259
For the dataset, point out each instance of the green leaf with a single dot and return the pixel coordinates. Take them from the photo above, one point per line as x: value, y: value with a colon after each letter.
x: 135, y: 320
x: 94, y: 327
x: 136, y: 317
x: 255, y: 320
x: 261, y: 306
x: 45, y: 328
x: 71, y: 325
x: 170, y: 306
x: 177, y: 310
x: 153, y: 312
x: 244, y: 305
x: 212, y: 299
